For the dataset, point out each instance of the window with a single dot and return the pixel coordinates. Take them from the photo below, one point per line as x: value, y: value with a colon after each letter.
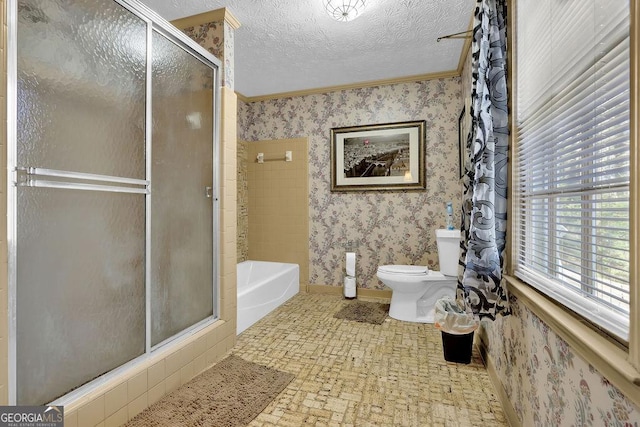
x: 571, y: 171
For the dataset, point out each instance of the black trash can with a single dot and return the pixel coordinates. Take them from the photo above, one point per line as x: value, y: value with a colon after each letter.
x: 457, y: 348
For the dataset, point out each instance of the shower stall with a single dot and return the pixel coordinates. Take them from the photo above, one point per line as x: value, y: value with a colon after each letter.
x: 112, y: 159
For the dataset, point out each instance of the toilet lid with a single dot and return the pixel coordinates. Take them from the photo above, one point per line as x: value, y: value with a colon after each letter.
x: 416, y: 270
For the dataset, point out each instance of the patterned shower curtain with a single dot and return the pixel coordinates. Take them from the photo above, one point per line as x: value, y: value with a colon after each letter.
x: 481, y: 286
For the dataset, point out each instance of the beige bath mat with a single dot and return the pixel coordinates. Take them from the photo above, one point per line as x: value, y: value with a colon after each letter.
x: 363, y: 311
x: 230, y: 394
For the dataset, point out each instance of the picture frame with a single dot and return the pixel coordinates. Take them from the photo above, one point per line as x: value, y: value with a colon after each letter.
x: 462, y: 143
x: 375, y: 157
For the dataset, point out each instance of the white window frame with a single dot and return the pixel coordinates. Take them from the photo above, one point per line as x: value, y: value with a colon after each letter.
x: 618, y: 363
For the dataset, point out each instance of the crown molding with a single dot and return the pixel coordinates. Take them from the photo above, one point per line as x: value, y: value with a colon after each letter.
x: 242, y: 98
x: 383, y: 82
x: 204, y: 18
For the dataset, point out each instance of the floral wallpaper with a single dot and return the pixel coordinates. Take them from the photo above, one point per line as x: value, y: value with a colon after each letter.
x: 391, y: 227
x: 228, y: 62
x: 218, y: 38
x: 549, y: 385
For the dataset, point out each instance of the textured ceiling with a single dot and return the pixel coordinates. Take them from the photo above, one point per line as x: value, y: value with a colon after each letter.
x: 291, y: 45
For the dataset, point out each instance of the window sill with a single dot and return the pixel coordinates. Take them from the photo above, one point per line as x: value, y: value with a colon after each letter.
x: 608, y: 359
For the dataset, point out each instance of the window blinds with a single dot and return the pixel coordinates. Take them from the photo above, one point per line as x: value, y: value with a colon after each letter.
x: 571, y: 175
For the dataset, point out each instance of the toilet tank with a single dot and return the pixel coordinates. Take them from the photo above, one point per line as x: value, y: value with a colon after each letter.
x: 448, y: 251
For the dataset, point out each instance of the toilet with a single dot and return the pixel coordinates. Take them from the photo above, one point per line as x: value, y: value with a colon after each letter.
x: 415, y: 289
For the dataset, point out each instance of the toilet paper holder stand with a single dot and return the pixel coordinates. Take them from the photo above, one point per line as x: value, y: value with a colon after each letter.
x: 349, y: 288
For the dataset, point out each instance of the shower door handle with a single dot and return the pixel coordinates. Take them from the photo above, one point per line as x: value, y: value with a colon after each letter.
x: 208, y: 192
x: 52, y: 178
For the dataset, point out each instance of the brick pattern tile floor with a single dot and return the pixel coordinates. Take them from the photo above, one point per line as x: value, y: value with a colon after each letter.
x: 358, y: 374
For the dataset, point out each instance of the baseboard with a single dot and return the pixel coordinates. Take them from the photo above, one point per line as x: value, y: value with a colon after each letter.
x: 324, y: 289
x: 381, y: 294
x: 509, y: 412
x: 374, y: 293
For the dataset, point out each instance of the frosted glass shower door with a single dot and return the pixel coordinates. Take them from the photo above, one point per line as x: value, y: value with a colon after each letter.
x: 181, y: 201
x: 80, y: 197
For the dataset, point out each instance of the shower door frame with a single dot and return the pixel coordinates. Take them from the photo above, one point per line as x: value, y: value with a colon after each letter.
x: 154, y: 22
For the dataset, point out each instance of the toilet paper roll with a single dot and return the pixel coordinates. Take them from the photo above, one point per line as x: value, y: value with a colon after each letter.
x: 350, y: 287
x: 350, y: 264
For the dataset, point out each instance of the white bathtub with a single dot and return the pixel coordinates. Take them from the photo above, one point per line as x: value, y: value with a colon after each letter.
x: 262, y: 287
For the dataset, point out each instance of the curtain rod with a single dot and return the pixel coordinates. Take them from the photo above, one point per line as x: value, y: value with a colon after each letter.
x: 460, y: 35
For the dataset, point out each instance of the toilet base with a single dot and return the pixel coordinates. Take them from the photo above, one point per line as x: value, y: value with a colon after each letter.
x: 419, y: 307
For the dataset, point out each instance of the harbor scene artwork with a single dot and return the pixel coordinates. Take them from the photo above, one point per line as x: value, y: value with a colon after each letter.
x: 378, y: 157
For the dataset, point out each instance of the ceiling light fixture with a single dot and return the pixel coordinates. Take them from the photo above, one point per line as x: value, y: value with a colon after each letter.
x: 344, y: 10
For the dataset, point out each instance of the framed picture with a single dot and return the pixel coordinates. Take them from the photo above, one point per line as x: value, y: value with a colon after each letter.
x: 462, y: 142
x: 378, y: 157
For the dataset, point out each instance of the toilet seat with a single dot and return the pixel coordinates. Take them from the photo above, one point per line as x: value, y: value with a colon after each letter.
x: 413, y: 270
x: 410, y: 273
